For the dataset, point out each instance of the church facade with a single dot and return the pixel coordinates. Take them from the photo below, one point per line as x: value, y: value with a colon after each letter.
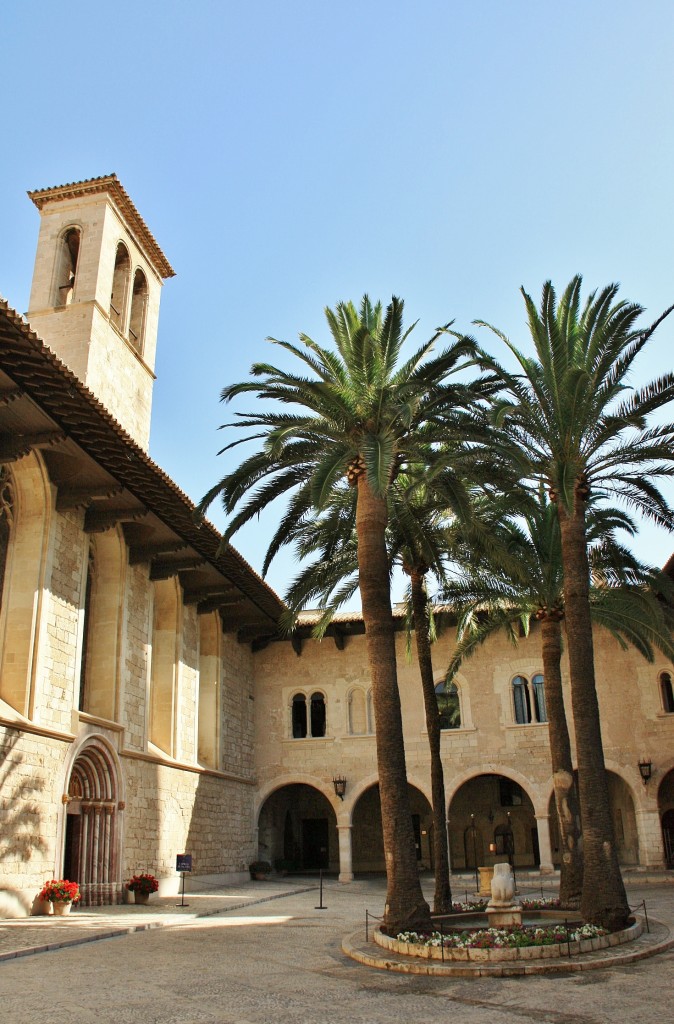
x: 148, y: 707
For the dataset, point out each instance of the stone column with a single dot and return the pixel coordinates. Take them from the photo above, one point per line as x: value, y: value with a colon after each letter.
x: 651, y: 843
x: 544, y: 846
x: 345, y: 868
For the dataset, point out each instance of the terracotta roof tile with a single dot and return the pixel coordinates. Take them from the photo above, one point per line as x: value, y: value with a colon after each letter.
x: 111, y: 184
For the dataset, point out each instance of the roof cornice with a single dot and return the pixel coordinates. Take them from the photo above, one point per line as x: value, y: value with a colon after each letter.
x: 111, y: 185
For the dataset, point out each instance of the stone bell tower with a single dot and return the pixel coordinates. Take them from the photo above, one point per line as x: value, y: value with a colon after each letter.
x: 95, y: 294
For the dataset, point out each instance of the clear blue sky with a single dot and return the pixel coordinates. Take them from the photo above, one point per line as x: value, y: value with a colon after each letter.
x: 290, y: 155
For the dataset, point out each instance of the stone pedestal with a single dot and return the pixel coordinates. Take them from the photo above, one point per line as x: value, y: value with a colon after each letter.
x: 501, y: 911
x: 486, y: 875
x: 504, y: 917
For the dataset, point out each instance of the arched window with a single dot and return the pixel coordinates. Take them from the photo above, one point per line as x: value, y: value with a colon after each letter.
x: 358, y: 717
x: 66, y: 266
x: 538, y: 687
x: 521, y: 701
x: 311, y: 724
x: 138, y: 310
x: 299, y: 716
x: 504, y: 841
x: 317, y: 714
x: 120, y: 286
x: 667, y: 692
x: 449, y: 707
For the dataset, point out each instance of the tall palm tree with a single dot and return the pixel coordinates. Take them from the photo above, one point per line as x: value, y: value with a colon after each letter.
x: 417, y: 542
x: 490, y: 595
x: 570, y: 423
x: 356, y: 412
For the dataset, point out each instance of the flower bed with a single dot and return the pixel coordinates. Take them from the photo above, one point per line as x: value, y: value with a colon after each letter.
x: 495, y: 944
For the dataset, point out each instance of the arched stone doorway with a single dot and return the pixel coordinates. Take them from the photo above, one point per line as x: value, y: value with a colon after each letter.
x: 624, y: 820
x: 368, y: 837
x: 91, y: 841
x: 666, y: 810
x: 297, y: 830
x: 491, y: 819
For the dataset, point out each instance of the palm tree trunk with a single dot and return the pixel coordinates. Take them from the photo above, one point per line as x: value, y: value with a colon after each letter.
x: 405, y: 905
x: 442, y: 899
x: 566, y: 795
x: 604, y: 901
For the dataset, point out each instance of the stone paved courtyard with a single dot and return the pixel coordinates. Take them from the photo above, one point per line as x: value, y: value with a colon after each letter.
x: 273, y: 957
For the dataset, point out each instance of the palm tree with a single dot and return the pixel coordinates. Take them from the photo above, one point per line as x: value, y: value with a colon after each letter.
x: 417, y: 541
x: 568, y: 422
x: 358, y: 414
x: 490, y: 595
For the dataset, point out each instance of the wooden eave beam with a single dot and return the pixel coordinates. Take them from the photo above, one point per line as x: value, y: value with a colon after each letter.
x: 339, y: 636
x: 10, y: 395
x: 69, y: 498
x: 163, y: 570
x: 260, y: 644
x: 218, y: 603
x: 252, y: 631
x: 100, y: 520
x: 139, y: 553
x: 17, y: 446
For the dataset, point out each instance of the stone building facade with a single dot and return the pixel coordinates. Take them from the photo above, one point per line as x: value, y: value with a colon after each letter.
x: 147, y: 706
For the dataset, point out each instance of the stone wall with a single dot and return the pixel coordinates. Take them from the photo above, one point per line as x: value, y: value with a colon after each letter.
x: 31, y: 780
x: 489, y: 741
x: 58, y: 674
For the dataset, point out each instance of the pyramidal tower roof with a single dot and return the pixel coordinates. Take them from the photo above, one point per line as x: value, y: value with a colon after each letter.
x: 110, y: 184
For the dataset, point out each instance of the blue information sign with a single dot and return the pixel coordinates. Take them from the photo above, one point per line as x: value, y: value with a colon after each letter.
x: 184, y: 862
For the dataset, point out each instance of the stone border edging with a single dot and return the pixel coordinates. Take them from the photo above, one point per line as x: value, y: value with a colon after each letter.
x: 355, y: 948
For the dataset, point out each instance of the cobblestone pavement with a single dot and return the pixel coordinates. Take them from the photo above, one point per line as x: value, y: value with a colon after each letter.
x: 263, y: 953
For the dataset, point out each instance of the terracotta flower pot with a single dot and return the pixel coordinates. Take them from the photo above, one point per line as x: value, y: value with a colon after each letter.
x: 61, y: 908
x: 141, y: 898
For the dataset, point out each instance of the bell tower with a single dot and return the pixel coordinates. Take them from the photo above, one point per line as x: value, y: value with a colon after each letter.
x: 95, y: 294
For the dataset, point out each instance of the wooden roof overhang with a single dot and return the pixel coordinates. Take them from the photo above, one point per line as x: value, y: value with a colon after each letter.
x: 96, y: 466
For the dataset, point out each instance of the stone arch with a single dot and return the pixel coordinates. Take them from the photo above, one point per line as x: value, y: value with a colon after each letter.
x: 537, y: 793
x: 297, y: 828
x: 626, y: 814
x: 464, y: 693
x: 91, y: 834
x: 357, y: 711
x: 367, y: 834
x: 623, y: 813
x: 485, y: 807
x: 297, y: 778
x: 666, y: 814
x: 120, y: 286
x: 102, y: 625
x: 666, y: 691
x: 138, y: 315
x: 65, y: 265
x: 24, y: 583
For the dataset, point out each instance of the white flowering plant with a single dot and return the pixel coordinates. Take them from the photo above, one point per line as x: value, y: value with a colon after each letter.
x: 503, y: 938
